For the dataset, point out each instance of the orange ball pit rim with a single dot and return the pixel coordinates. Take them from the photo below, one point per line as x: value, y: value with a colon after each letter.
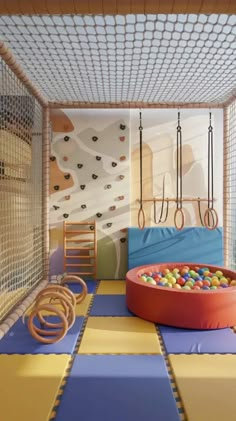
x: 194, y: 309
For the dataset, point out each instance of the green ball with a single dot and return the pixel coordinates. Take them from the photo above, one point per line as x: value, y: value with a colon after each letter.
x: 213, y: 287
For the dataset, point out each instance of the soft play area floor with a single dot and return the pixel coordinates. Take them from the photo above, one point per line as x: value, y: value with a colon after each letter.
x: 113, y: 366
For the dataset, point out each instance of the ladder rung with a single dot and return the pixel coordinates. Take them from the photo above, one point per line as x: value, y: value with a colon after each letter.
x: 79, y: 241
x: 80, y: 232
x: 79, y: 265
x: 79, y: 248
x: 79, y: 223
x: 79, y: 257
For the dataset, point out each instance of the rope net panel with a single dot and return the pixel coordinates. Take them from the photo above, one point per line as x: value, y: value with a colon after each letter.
x: 21, y: 230
x: 131, y: 59
x: 230, y: 186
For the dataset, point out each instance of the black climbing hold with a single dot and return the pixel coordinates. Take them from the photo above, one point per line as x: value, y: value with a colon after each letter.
x: 65, y: 215
x: 123, y: 240
x: 56, y: 187
x: 122, y: 126
x: 67, y: 176
x: 112, y: 208
x: 66, y: 138
x: 83, y: 206
x: 121, y: 177
x: 108, y: 186
x: 56, y: 207
x: 92, y: 227
x: 82, y: 186
x: 94, y: 176
x: 95, y: 138
x: 52, y: 158
x: 114, y: 164
x: 109, y: 224
x: 99, y: 215
x: 80, y: 166
x: 98, y: 158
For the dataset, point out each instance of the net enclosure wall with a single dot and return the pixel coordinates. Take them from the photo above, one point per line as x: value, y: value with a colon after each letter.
x: 21, y: 201
x: 230, y: 186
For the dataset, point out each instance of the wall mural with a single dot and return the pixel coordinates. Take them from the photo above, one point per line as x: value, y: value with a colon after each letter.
x: 95, y: 178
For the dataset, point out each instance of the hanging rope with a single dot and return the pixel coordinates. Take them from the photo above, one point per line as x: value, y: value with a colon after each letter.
x: 141, y: 214
x: 162, y: 207
x: 179, y: 195
x: 210, y: 213
x: 200, y: 212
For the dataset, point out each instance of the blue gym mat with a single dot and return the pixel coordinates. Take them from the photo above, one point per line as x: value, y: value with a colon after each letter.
x: 185, y: 341
x: 110, y: 305
x: 155, y: 245
x: 19, y: 340
x: 126, y: 387
x: 76, y: 288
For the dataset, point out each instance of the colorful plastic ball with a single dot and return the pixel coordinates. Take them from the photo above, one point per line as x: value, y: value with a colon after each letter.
x: 176, y: 286
x: 200, y: 271
x: 172, y: 280
x: 215, y: 282
x: 186, y: 276
x: 161, y: 284
x: 213, y: 287
x: 224, y: 285
x: 205, y: 287
x: 206, y: 283
x: 199, y: 284
x: 219, y: 273
x: 181, y: 281
x: 186, y: 287
x: 233, y: 283
x: 189, y: 284
x: 169, y: 285
x: 196, y: 287
x: 175, y: 270
x: 143, y: 278
x: 165, y: 271
x: 184, y: 272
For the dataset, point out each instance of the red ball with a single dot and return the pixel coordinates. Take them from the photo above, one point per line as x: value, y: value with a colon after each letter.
x: 196, y: 287
x: 198, y: 284
x: 206, y: 283
x: 180, y: 281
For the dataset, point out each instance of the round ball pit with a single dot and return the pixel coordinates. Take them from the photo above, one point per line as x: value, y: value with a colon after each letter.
x: 192, y: 309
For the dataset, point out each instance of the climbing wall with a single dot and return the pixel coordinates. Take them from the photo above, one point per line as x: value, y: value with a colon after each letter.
x: 90, y: 180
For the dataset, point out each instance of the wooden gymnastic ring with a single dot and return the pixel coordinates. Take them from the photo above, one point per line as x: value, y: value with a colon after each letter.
x: 177, y: 210
x: 66, y: 291
x: 213, y: 213
x: 58, y: 335
x: 79, y: 297
x: 68, y: 308
x: 141, y: 218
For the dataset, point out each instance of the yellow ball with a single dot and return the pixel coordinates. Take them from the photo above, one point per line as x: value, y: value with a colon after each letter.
x: 189, y: 284
x: 169, y: 285
x: 172, y: 280
x: 164, y: 280
x: 233, y: 283
x: 215, y: 282
x: 219, y: 273
x: 223, y: 280
x: 176, y: 286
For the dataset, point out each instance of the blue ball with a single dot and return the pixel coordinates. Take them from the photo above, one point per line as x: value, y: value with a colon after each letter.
x: 201, y: 271
x: 186, y: 276
x: 161, y: 284
x: 205, y: 287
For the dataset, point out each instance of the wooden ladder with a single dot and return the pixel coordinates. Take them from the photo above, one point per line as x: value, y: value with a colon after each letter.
x: 80, y: 248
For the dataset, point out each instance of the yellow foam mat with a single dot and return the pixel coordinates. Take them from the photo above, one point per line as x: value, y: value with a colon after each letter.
x: 112, y: 287
x: 207, y: 384
x: 29, y: 385
x: 119, y: 335
x: 80, y: 310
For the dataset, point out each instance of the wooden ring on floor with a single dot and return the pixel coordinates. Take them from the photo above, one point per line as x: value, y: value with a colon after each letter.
x: 72, y: 278
x: 68, y: 308
x: 56, y: 336
x: 141, y: 219
x: 214, y: 216
x: 179, y: 210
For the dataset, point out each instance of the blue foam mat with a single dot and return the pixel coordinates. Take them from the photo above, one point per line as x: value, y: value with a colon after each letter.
x: 156, y: 245
x: 19, y: 340
x: 76, y: 288
x: 118, y: 388
x: 185, y: 341
x: 110, y: 305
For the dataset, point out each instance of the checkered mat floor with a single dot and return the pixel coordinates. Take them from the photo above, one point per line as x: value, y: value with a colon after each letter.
x: 113, y: 366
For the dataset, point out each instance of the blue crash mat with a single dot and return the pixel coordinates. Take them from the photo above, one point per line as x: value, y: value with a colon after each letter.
x: 184, y: 341
x: 110, y: 305
x: 166, y: 244
x: 118, y: 388
x: 19, y: 340
x: 76, y: 288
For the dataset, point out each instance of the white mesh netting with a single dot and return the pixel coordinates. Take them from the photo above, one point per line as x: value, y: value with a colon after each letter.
x: 21, y: 221
x: 132, y: 58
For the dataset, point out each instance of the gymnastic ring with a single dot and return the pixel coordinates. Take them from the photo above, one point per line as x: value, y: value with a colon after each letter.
x: 65, y: 291
x: 141, y: 217
x: 35, y: 331
x: 79, y: 297
x: 213, y: 213
x: 69, y: 309
x: 177, y: 210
